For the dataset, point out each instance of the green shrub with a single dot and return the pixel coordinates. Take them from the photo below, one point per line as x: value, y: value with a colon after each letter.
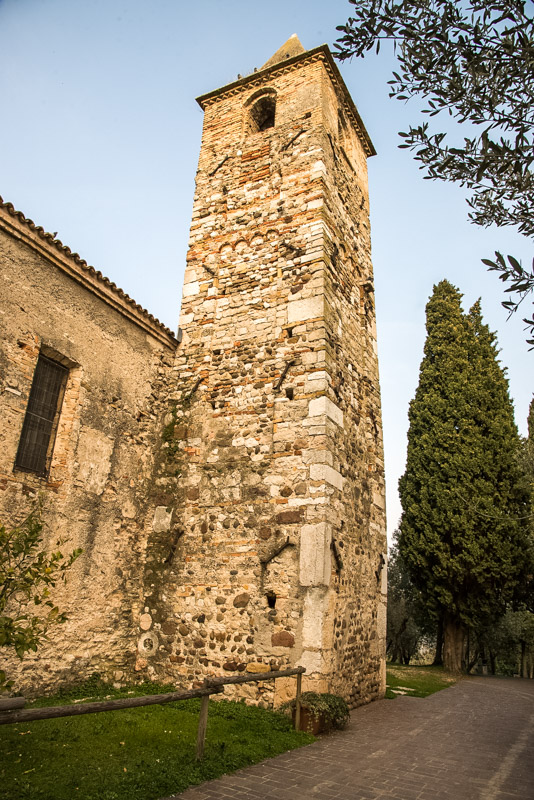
x: 334, y: 709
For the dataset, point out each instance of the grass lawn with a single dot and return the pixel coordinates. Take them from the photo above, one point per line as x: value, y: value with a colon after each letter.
x: 416, y: 681
x: 134, y: 754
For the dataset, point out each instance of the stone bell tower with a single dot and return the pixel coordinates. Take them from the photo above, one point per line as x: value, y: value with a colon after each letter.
x: 274, y: 429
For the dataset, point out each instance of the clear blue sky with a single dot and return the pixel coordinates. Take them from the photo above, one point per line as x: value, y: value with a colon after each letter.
x: 99, y: 140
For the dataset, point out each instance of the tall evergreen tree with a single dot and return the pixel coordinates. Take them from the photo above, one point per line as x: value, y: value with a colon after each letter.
x: 463, y: 532
x: 528, y: 456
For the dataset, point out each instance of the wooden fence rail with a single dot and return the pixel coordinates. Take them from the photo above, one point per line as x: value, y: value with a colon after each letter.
x: 31, y: 714
x: 216, y: 683
x: 11, y: 710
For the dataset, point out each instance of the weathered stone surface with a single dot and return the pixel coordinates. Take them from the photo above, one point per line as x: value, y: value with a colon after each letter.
x: 282, y: 639
x: 106, y: 437
x: 162, y: 520
x: 322, y: 472
x: 315, y: 558
x: 289, y: 517
x: 257, y: 667
x: 93, y: 456
x: 320, y: 406
x: 241, y: 600
x: 169, y: 627
x: 304, y: 309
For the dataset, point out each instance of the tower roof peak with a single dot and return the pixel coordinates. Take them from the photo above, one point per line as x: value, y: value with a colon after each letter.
x: 293, y: 47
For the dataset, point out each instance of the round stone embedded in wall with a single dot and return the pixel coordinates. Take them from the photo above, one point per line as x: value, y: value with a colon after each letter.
x: 145, y: 622
x: 148, y: 644
x: 241, y: 600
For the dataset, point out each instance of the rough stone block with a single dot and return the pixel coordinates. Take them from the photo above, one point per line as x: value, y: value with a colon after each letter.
x: 289, y: 517
x: 314, y: 566
x: 301, y: 310
x: 145, y: 622
x: 323, y: 406
x: 315, y: 602
x: 323, y: 472
x: 162, y: 520
x: 312, y: 661
x: 191, y: 289
x: 258, y: 667
x: 282, y: 639
x: 241, y: 600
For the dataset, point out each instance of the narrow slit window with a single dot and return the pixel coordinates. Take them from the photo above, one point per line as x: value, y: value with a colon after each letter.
x: 42, y: 415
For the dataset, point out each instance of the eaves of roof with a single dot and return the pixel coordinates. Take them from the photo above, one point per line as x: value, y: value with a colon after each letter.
x: 20, y: 227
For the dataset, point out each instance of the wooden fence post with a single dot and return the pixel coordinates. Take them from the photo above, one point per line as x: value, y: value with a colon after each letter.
x: 202, y: 725
x: 297, y: 701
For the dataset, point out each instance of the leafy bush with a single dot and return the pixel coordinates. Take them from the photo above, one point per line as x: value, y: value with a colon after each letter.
x: 27, y: 574
x: 334, y: 709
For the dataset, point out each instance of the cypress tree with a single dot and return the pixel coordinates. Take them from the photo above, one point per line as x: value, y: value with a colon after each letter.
x: 463, y: 535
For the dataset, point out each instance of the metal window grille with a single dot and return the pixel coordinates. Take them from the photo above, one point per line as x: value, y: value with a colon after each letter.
x: 42, y: 413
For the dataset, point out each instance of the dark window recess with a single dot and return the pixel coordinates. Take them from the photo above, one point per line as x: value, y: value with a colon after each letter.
x: 271, y: 599
x: 262, y: 114
x: 42, y: 414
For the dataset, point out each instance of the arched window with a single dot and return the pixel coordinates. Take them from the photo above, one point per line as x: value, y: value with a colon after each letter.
x: 261, y: 113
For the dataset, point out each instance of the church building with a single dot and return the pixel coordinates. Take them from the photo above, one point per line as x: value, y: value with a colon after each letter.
x: 227, y: 484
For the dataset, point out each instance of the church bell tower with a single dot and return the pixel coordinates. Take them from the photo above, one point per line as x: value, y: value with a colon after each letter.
x: 281, y: 555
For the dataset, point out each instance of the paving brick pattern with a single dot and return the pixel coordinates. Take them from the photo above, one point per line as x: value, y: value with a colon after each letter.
x: 473, y: 741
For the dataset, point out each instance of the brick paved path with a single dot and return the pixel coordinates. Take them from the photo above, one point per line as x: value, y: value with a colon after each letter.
x: 473, y: 741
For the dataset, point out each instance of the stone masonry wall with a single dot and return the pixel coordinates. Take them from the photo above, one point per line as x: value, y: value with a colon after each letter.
x: 357, y: 513
x: 96, y: 492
